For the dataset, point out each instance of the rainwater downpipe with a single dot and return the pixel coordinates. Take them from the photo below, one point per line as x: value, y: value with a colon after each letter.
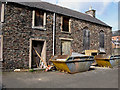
x: 54, y: 22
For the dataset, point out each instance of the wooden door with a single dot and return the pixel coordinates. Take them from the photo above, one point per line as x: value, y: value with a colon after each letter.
x: 65, y: 47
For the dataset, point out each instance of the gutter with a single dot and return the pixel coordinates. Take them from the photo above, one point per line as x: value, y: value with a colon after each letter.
x: 54, y: 21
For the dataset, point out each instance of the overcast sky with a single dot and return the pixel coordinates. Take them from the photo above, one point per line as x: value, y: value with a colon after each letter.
x: 106, y: 10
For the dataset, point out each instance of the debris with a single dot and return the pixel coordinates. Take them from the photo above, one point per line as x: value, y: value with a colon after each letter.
x: 99, y: 67
x: 39, y: 79
x: 17, y: 70
x: 91, y: 52
x: 21, y: 70
x: 49, y: 68
x: 43, y: 64
x: 31, y: 70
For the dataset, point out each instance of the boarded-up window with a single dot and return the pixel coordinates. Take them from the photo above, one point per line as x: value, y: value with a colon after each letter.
x: 86, y: 39
x: 65, y: 26
x: 39, y: 17
x: 101, y: 39
x: 65, y: 47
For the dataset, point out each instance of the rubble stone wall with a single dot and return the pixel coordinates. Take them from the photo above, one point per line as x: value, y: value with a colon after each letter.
x: 17, y: 31
x: 76, y: 34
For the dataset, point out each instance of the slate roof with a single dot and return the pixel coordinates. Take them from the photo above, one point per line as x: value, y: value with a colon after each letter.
x: 62, y: 10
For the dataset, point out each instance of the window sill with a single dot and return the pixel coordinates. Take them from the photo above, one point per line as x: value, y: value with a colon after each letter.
x: 66, y: 32
x: 40, y: 28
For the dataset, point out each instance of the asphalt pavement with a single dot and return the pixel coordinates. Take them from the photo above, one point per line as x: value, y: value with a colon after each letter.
x: 95, y: 78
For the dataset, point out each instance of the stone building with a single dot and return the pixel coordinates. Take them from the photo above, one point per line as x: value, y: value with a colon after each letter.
x: 116, y: 42
x: 50, y: 30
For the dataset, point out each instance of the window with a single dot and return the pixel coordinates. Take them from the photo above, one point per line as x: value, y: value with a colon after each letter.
x: 65, y: 24
x: 39, y: 19
x: 1, y: 12
x: 101, y: 39
x: 86, y: 39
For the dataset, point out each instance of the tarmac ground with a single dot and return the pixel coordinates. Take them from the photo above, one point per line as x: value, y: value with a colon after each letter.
x: 96, y: 77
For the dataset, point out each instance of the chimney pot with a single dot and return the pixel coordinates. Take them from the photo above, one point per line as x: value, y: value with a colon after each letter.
x: 91, y: 12
x: 90, y: 8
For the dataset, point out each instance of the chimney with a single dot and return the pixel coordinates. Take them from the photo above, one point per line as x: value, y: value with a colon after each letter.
x: 91, y: 12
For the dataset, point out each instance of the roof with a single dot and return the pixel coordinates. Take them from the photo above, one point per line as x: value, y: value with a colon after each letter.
x: 62, y: 10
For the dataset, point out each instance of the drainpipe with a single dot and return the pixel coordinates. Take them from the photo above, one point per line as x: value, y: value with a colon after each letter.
x: 54, y: 21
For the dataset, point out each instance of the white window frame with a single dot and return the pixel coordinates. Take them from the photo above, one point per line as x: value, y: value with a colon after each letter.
x: 33, y: 21
x: 1, y: 58
x: 69, y: 25
x: 2, y: 13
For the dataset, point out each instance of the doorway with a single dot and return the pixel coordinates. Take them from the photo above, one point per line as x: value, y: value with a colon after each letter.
x: 38, y: 54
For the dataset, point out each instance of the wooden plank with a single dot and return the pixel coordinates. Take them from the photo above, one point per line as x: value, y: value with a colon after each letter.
x: 39, y: 56
x: 66, y: 46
